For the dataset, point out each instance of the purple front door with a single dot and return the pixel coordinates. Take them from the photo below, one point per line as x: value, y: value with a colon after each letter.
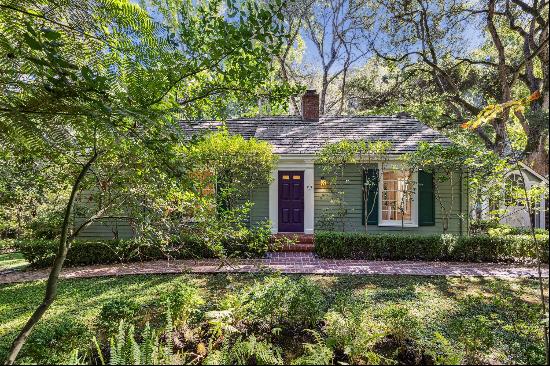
x: 291, y: 202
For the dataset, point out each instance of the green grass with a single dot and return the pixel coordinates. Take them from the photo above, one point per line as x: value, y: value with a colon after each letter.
x: 12, y: 261
x: 462, y: 309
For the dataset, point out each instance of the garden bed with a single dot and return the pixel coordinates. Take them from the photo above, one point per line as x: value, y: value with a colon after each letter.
x: 290, y: 319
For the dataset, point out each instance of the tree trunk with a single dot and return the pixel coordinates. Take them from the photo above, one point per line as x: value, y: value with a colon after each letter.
x: 51, y: 286
x: 324, y: 87
x: 538, y: 159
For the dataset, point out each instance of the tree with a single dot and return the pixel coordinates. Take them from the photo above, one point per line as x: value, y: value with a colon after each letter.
x: 292, y: 52
x: 337, y: 28
x: 381, y: 87
x: 529, y: 199
x: 86, y: 83
x: 435, y: 39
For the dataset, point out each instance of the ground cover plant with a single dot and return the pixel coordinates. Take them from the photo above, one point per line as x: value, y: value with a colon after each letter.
x: 270, y: 319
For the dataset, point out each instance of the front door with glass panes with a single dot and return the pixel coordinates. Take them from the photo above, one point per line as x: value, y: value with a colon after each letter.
x: 291, y: 201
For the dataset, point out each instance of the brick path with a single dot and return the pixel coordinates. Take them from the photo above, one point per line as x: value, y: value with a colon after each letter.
x: 286, y: 262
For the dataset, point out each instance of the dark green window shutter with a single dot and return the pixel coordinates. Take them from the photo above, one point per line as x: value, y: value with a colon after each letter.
x: 370, y: 177
x: 426, y: 199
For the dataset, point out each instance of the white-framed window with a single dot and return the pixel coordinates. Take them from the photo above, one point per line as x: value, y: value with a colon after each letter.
x: 398, y: 192
x: 512, y: 187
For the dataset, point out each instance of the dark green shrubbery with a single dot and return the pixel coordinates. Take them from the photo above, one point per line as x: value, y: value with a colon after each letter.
x: 248, y: 243
x: 482, y: 248
x: 41, y: 252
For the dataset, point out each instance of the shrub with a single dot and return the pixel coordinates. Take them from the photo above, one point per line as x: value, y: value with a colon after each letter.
x: 6, y: 245
x: 282, y: 300
x: 477, y: 334
x: 41, y: 252
x: 493, y: 227
x: 427, y: 247
x: 47, y: 223
x: 399, y: 322
x: 443, y: 351
x: 51, y: 341
x: 183, y: 301
x: 117, y: 310
x: 249, y: 242
x: 353, y: 332
x: 317, y: 353
x: 378, y: 246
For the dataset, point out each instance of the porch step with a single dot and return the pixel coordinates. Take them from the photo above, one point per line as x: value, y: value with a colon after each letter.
x: 297, y: 248
x: 292, y: 242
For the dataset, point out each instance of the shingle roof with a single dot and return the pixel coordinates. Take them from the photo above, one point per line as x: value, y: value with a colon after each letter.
x: 291, y: 135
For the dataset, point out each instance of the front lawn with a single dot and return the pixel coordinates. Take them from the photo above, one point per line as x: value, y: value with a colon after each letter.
x: 343, y: 318
x: 12, y: 261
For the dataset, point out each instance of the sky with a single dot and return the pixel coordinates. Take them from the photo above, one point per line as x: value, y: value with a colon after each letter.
x: 311, y: 59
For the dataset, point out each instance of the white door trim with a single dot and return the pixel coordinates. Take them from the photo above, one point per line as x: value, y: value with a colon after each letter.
x: 305, y: 165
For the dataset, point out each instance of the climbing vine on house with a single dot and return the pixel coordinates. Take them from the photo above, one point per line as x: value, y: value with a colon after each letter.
x: 445, y: 164
x: 333, y: 159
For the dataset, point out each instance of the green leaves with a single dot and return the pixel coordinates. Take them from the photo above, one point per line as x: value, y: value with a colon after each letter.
x: 32, y: 42
x: 51, y: 34
x: 503, y: 110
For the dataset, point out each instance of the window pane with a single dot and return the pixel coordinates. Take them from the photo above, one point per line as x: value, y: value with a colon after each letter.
x: 396, y: 196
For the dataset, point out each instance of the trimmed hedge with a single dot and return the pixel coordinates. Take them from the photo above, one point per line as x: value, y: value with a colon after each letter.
x: 41, y: 252
x: 484, y: 248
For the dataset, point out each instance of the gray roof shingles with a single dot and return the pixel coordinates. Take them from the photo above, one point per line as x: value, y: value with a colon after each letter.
x: 291, y: 135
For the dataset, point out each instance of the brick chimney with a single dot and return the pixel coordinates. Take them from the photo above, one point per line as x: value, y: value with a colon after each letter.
x: 310, y: 106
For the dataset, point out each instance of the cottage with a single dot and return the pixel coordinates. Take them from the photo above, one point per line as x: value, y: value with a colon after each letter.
x: 299, y: 196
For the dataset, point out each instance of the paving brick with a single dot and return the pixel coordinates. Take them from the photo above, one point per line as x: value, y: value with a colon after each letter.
x: 287, y: 262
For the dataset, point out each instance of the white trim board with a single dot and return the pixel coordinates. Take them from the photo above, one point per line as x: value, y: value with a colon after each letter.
x: 306, y: 165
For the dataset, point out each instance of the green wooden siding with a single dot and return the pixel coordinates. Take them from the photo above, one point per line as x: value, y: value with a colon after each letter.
x: 260, y: 211
x: 102, y: 229
x: 351, y: 185
x: 106, y: 229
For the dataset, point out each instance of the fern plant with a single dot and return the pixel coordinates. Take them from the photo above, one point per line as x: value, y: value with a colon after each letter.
x: 125, y: 350
x: 317, y: 353
x: 245, y: 352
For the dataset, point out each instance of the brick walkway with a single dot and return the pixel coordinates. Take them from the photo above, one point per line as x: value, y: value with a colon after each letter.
x: 305, y: 263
